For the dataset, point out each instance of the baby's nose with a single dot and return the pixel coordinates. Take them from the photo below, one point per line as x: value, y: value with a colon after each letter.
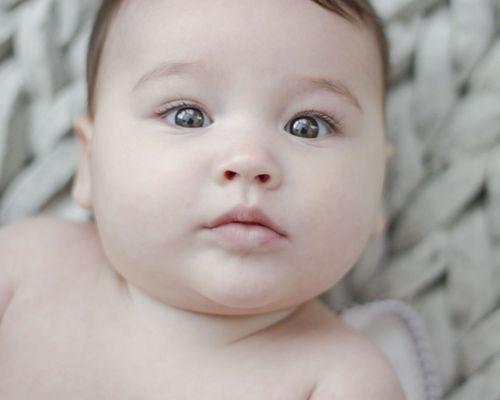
x: 251, y: 171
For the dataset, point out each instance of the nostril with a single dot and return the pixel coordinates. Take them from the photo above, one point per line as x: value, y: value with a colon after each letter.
x: 264, y: 178
x: 230, y: 174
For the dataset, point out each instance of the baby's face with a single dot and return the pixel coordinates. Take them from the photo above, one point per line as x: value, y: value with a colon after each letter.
x: 256, y: 79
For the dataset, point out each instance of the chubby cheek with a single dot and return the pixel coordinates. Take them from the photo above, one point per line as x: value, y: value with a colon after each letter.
x: 339, y: 212
x: 141, y: 193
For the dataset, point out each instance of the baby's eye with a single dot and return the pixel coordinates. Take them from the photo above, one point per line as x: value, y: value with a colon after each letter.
x: 311, y: 124
x: 184, y: 115
x: 307, y: 124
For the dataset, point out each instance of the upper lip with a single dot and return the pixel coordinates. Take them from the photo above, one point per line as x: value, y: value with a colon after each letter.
x: 244, y: 214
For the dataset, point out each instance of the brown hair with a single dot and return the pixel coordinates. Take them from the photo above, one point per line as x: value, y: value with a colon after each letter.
x: 352, y: 10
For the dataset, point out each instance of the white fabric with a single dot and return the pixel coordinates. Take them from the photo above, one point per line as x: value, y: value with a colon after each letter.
x: 400, y: 333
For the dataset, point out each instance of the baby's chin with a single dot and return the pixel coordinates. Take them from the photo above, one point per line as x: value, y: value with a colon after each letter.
x: 242, y: 302
x: 245, y: 300
x: 257, y: 294
x: 209, y: 301
x: 230, y: 286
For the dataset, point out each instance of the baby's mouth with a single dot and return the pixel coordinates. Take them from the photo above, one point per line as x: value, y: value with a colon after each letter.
x: 247, y: 216
x: 247, y: 228
x: 245, y: 235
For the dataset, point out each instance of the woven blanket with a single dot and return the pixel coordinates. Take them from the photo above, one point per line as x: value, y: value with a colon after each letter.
x: 440, y: 252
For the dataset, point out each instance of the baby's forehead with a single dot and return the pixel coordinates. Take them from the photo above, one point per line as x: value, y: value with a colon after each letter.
x: 282, y: 37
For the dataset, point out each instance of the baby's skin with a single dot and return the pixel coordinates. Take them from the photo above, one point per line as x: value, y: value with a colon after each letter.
x: 153, y: 300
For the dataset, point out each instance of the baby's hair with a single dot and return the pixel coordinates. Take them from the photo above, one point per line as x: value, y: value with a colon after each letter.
x: 354, y: 11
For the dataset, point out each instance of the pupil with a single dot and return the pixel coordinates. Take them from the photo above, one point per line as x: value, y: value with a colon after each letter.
x: 190, y: 117
x: 305, y: 127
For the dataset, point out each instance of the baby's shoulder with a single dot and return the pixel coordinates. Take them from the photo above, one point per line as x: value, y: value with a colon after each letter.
x: 42, y: 245
x: 352, y: 364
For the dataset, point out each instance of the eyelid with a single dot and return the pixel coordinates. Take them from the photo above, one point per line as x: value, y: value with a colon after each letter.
x: 183, y: 103
x: 335, y: 123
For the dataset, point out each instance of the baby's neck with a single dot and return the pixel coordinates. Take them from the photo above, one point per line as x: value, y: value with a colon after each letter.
x: 196, y: 329
x: 209, y: 330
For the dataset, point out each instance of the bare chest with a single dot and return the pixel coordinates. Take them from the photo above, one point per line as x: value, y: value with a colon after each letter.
x: 59, y: 345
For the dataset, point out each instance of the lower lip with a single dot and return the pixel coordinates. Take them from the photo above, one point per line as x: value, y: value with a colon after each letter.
x: 246, y: 235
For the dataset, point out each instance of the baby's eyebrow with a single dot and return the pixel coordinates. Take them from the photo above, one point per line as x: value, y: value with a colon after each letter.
x: 183, y: 67
x: 335, y: 86
x: 169, y: 68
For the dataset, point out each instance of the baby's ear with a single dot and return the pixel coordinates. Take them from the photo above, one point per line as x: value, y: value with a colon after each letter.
x: 380, y: 222
x: 81, y: 190
x: 379, y: 226
x: 389, y: 152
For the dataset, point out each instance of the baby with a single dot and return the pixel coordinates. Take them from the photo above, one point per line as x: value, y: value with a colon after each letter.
x: 233, y: 157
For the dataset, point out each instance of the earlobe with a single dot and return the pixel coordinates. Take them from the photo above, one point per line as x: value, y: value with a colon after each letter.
x: 83, y: 128
x: 379, y: 226
x: 81, y: 189
x: 380, y: 223
x: 389, y: 152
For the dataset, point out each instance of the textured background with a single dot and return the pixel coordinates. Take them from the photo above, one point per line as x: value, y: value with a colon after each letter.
x: 441, y: 250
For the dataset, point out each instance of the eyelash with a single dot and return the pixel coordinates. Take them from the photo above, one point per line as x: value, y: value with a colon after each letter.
x: 335, y: 125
